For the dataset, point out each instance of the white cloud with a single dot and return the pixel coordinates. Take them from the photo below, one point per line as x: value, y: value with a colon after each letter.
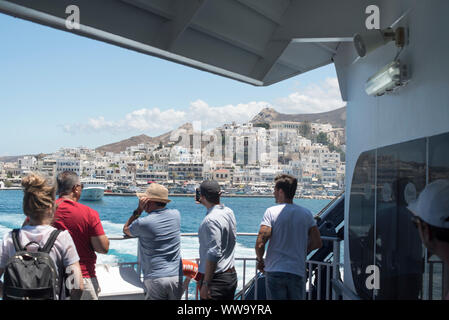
x: 212, y: 117
x: 312, y: 99
x: 152, y: 121
x: 99, y: 123
x: 155, y: 121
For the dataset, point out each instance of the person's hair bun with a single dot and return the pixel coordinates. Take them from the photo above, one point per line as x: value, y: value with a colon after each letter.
x: 33, y: 183
x: 39, y: 195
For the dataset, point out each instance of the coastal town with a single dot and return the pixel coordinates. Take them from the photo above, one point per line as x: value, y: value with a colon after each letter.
x: 243, y: 158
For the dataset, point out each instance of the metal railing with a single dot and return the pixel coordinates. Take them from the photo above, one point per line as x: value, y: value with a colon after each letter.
x: 436, y: 279
x: 335, y: 199
x: 244, y: 261
x: 342, y: 291
x: 314, y: 282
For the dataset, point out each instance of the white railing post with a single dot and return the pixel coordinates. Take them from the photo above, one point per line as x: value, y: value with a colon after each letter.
x: 304, y: 289
x: 430, y: 280
x: 255, y: 285
x: 309, y: 294
x: 139, y: 267
x: 318, y: 293
x: 335, y: 265
x: 196, y: 286
x: 244, y: 278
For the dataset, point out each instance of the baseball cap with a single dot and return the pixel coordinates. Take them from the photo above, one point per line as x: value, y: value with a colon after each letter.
x: 210, y: 187
x: 432, y: 205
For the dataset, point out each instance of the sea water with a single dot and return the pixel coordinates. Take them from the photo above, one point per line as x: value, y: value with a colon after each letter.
x: 115, y: 210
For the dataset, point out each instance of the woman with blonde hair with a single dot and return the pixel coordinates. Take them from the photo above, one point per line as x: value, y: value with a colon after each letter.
x: 39, y: 208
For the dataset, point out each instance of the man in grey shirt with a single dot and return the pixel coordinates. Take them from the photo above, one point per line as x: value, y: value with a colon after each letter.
x: 159, y: 236
x: 217, y: 237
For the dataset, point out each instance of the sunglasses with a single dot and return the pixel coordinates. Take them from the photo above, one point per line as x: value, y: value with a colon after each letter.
x: 81, y: 185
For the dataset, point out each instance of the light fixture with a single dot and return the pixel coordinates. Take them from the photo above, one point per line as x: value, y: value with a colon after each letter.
x: 370, y: 40
x: 386, y: 80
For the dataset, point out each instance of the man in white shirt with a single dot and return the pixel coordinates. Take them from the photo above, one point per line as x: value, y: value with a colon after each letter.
x: 292, y: 233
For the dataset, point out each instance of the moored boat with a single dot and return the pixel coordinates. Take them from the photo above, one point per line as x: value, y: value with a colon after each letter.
x: 93, y: 189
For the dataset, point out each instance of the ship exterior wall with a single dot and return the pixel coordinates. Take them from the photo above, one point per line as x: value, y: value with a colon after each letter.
x: 421, y: 109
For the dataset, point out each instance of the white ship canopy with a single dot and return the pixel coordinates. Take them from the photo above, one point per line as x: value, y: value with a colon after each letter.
x: 260, y: 42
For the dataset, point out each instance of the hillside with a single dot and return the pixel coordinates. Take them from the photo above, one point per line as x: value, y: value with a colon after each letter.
x: 16, y: 158
x: 337, y: 117
x: 116, y: 147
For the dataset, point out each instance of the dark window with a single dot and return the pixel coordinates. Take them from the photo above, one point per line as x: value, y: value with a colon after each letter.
x: 361, y: 221
x: 439, y: 157
x: 401, y: 175
x: 438, y: 169
x: 380, y: 229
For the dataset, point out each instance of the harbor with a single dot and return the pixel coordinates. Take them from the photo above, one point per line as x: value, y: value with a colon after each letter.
x: 225, y: 195
x: 115, y: 194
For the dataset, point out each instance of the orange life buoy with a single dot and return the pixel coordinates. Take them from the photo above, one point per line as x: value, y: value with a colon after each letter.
x: 189, y: 268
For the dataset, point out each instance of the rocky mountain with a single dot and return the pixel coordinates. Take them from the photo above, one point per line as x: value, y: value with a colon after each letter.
x: 16, y: 158
x: 116, y: 147
x: 143, y: 138
x: 10, y: 158
x: 337, y: 117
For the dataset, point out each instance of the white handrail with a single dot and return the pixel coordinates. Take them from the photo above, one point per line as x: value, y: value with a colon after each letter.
x: 185, y: 234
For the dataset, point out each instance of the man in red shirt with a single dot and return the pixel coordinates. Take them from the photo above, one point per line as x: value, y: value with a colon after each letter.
x: 84, y: 225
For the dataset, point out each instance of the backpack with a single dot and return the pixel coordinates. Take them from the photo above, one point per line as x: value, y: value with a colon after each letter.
x: 31, y: 275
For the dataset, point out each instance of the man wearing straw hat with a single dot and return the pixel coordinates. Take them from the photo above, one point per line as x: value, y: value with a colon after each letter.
x: 159, y: 235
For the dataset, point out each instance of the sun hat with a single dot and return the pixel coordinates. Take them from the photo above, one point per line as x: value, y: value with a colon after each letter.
x: 432, y: 205
x: 155, y: 192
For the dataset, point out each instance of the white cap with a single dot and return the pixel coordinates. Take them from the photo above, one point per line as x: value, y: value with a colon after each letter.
x: 432, y: 205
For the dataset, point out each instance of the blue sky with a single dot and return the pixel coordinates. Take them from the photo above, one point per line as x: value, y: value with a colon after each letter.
x: 62, y: 90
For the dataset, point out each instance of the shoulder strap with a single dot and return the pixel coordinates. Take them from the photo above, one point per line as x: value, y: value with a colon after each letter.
x: 16, y: 240
x: 51, y: 241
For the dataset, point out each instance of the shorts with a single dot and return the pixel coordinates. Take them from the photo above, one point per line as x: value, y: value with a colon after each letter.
x: 90, y: 292
x: 168, y: 288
